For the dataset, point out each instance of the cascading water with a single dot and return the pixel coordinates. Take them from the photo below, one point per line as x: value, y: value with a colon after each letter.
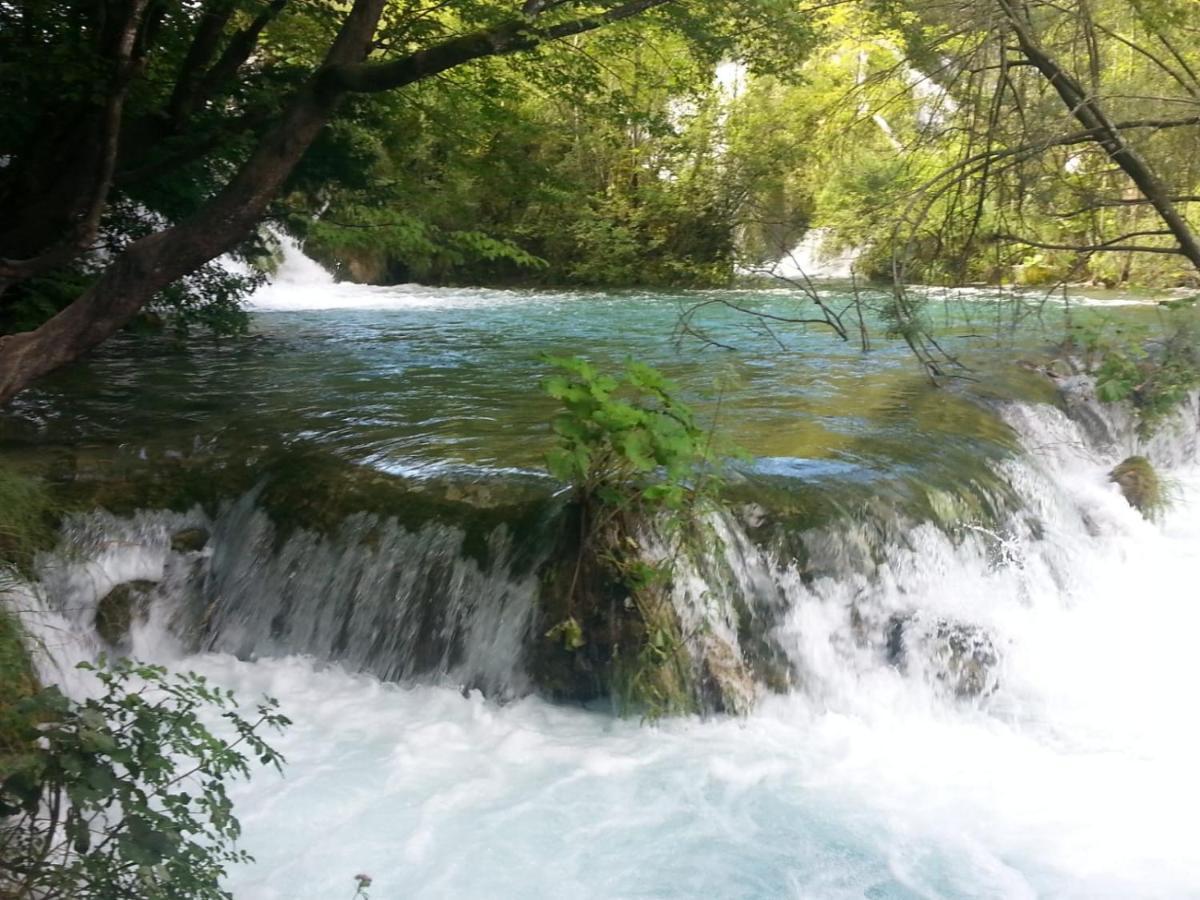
x: 978, y: 685
x: 813, y: 258
x: 998, y: 710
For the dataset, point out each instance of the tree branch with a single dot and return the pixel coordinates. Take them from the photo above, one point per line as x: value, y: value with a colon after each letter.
x: 505, y: 38
x: 1087, y: 111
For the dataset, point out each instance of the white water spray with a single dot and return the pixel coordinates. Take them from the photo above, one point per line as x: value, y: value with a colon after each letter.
x: 1071, y: 773
x: 814, y: 258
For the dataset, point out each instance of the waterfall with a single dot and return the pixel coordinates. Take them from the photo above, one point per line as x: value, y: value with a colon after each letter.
x: 295, y: 268
x: 373, y: 596
x: 865, y: 593
x: 972, y: 705
x: 812, y: 258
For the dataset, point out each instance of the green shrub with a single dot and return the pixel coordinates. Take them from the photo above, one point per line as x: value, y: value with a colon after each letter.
x: 637, y: 461
x: 624, y: 440
x: 124, y: 794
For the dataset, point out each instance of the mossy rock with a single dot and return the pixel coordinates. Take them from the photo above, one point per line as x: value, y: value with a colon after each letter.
x: 961, y: 656
x: 1139, y: 484
x: 117, y: 610
x: 727, y: 684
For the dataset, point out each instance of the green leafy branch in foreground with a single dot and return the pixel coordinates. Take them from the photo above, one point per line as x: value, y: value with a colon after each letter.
x: 124, y: 794
x: 624, y: 439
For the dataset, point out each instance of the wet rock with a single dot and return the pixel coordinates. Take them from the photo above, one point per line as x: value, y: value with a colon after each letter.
x: 726, y: 683
x: 190, y: 540
x: 1139, y: 484
x: 119, y: 608
x: 959, y: 655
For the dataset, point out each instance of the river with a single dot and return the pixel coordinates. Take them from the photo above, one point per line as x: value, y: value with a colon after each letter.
x: 1067, y: 771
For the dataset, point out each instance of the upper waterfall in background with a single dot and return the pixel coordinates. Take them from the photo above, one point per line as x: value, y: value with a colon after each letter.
x: 814, y: 257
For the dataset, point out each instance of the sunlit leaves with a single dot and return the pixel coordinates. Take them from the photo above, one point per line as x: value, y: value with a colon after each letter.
x: 626, y: 438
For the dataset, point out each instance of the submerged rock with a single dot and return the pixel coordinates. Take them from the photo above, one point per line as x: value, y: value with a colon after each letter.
x: 1139, y: 484
x: 959, y: 655
x: 190, y: 540
x: 117, y: 610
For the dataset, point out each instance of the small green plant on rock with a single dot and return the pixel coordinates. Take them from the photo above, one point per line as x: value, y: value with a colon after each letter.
x: 124, y: 794
x: 637, y: 461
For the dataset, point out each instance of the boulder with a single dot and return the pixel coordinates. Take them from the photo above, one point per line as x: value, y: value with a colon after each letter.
x: 726, y: 684
x: 961, y: 656
x: 189, y: 540
x: 117, y: 610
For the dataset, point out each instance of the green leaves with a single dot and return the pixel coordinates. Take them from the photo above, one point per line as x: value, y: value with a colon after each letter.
x: 1155, y: 374
x: 569, y: 632
x: 626, y: 437
x: 124, y: 793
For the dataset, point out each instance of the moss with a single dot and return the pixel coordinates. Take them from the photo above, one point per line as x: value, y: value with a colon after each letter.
x: 301, y: 487
x: 1140, y: 485
x: 313, y: 490
x: 190, y: 540
x: 607, y: 626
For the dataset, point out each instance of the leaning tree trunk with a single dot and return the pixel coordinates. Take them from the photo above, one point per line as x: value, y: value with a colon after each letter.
x: 1088, y: 111
x: 150, y: 264
x: 154, y: 262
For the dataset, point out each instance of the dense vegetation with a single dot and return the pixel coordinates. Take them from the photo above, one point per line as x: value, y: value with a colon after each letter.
x: 124, y: 794
x: 649, y: 142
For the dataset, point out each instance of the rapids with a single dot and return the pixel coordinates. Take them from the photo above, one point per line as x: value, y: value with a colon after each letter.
x: 419, y: 756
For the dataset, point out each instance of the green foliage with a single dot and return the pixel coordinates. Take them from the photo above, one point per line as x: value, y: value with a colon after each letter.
x: 624, y: 439
x: 637, y: 462
x: 124, y: 794
x: 1154, y: 374
x: 27, y: 519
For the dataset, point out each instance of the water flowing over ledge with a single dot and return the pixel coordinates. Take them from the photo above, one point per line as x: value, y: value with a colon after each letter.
x: 984, y: 694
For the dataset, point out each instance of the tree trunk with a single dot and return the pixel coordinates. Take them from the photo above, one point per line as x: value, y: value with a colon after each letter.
x: 152, y: 263
x: 56, y: 203
x: 1088, y: 112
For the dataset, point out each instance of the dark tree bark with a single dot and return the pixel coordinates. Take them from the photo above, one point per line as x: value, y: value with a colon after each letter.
x: 197, y: 83
x: 54, y: 204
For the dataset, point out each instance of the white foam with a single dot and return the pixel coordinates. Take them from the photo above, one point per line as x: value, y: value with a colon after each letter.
x: 1076, y: 778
